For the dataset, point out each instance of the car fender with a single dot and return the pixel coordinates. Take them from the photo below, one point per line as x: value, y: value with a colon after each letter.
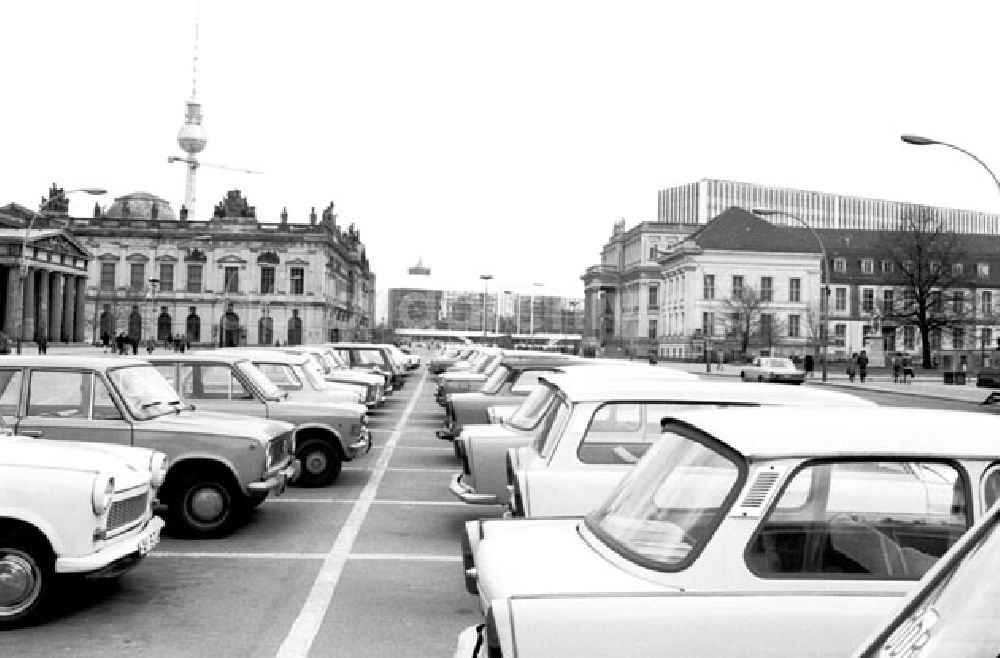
x: 336, y: 440
x: 40, y: 523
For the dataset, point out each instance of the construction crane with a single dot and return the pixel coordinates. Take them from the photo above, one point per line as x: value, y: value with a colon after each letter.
x: 198, y: 163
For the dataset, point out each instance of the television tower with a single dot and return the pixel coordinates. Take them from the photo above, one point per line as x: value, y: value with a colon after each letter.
x: 191, y: 137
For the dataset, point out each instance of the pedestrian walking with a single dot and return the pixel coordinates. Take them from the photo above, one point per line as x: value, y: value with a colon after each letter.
x: 808, y: 365
x: 42, y: 341
x: 105, y: 340
x: 908, y: 372
x: 897, y: 367
x: 852, y: 366
x: 120, y: 343
x: 863, y: 365
x: 4, y: 343
x: 150, y: 345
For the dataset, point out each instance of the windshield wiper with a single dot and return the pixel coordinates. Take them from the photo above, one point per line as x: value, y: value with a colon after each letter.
x: 147, y: 405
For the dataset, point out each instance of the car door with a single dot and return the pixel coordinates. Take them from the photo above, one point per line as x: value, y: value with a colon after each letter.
x: 215, y: 387
x: 72, y: 405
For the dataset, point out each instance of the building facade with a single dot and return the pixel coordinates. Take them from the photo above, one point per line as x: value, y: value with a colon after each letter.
x: 231, y: 280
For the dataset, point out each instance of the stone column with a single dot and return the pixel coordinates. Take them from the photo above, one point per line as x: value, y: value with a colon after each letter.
x: 43, y: 303
x: 55, y: 307
x: 28, y: 329
x: 81, y: 301
x: 69, y: 308
x: 12, y: 296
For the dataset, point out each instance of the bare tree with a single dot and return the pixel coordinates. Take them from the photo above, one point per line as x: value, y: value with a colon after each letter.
x: 743, y: 311
x: 927, y: 258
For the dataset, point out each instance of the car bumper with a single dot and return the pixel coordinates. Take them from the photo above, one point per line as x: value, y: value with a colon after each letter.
x: 277, y: 483
x: 472, y: 642
x: 117, y: 558
x: 467, y: 494
x: 364, y: 442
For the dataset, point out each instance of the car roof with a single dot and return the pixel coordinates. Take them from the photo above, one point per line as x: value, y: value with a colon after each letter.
x: 200, y: 357
x: 275, y: 355
x: 597, y: 384
x: 588, y: 374
x: 775, y: 432
x: 372, y: 346
x: 71, y: 360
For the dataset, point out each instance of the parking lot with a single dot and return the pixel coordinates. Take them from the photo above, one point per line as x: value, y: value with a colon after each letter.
x: 367, y: 567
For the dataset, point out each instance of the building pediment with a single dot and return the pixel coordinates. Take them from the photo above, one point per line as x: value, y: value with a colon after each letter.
x: 166, y: 258
x: 108, y: 257
x: 297, y: 261
x: 137, y: 258
x: 58, y: 241
x: 231, y: 259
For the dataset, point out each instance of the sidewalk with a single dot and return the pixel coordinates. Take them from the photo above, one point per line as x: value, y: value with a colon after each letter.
x: 922, y: 386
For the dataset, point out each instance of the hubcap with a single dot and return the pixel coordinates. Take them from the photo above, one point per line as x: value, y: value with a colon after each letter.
x: 18, y: 581
x: 316, y: 462
x: 207, y: 504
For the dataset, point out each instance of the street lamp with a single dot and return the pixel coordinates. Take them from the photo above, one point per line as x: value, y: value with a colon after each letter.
x: 917, y: 140
x: 23, y: 267
x: 823, y: 276
x: 506, y: 294
x: 486, y: 293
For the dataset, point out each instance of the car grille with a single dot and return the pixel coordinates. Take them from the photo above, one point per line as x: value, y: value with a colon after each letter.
x: 279, y: 448
x: 127, y: 511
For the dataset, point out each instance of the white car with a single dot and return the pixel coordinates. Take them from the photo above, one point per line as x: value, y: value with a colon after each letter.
x: 71, y: 508
x: 772, y: 369
x: 750, y: 532
x: 953, y: 611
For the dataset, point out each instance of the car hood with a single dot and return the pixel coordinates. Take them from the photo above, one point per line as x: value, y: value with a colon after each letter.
x: 299, y: 412
x: 471, y: 398
x: 548, y: 557
x: 354, y: 377
x: 219, y: 423
x: 129, y: 466
x: 460, y: 376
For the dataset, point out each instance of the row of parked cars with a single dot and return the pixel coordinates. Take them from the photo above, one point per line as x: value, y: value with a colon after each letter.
x: 95, y: 449
x: 647, y: 512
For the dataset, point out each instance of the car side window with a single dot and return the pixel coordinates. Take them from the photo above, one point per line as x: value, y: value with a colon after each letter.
x: 369, y: 357
x: 168, y: 371
x: 991, y: 486
x: 10, y: 392
x: 58, y: 394
x: 862, y: 519
x: 211, y: 381
x: 104, y: 405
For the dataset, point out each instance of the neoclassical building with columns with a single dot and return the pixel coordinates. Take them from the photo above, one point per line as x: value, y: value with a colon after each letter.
x: 230, y: 280
x: 43, y: 274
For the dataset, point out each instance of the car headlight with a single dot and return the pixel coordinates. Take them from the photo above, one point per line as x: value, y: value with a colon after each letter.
x: 101, y: 493
x: 158, y: 469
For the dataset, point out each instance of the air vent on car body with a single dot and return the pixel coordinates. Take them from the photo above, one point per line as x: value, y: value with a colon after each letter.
x: 758, y: 493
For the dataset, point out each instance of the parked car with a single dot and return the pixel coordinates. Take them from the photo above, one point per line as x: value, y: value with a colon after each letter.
x: 514, y: 379
x: 771, y: 531
x: 369, y: 355
x: 596, y: 427
x: 951, y: 612
x: 70, y: 508
x: 772, y: 369
x: 447, y: 357
x: 299, y: 376
x: 520, y: 428
x: 450, y: 383
x: 412, y: 358
x: 336, y: 371
x: 220, y: 465
x: 325, y: 434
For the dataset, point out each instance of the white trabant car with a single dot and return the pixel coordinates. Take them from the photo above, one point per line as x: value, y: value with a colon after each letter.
x: 772, y: 369
x: 70, y: 508
x: 750, y: 532
x: 953, y: 610
x: 589, y: 426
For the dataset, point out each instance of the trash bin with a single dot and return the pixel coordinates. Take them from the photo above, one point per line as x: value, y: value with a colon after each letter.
x: 949, y: 377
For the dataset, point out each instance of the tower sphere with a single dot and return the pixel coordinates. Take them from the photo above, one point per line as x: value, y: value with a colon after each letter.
x: 191, y: 138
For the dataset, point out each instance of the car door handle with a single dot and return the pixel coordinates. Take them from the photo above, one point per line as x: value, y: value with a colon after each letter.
x: 34, y: 433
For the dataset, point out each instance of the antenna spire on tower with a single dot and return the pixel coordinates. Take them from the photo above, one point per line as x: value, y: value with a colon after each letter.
x: 194, y: 59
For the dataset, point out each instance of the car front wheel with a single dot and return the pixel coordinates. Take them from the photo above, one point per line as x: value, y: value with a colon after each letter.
x: 203, y: 505
x: 321, y: 464
x: 26, y: 573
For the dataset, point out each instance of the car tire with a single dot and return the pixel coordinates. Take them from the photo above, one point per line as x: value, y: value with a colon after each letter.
x: 202, y: 505
x: 321, y: 465
x: 26, y: 563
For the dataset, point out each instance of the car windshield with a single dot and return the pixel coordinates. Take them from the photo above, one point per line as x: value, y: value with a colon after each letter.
x: 334, y: 360
x: 495, y: 381
x: 784, y: 364
x: 664, y: 511
x: 260, y: 380
x: 313, y: 374
x: 281, y: 374
x: 957, y: 616
x: 532, y: 409
x: 556, y: 421
x: 145, y: 391
x: 488, y: 365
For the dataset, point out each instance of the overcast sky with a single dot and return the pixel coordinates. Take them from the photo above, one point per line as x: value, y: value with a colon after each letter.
x: 503, y: 137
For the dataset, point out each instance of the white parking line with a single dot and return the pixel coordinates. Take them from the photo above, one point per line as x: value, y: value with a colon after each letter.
x: 400, y: 469
x: 377, y: 502
x: 303, y: 631
x: 398, y: 557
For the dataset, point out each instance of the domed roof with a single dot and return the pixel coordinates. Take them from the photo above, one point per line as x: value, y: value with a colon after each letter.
x: 139, y: 205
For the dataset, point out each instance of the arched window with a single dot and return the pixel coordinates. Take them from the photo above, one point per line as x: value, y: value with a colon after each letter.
x: 164, y: 325
x: 229, y: 328
x: 294, y: 329
x: 265, y: 330
x: 193, y: 326
x: 135, y: 323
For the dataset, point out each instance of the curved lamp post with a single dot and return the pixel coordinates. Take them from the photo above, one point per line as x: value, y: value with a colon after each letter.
x: 917, y: 140
x: 824, y: 282
x: 23, y: 266
x: 486, y: 294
